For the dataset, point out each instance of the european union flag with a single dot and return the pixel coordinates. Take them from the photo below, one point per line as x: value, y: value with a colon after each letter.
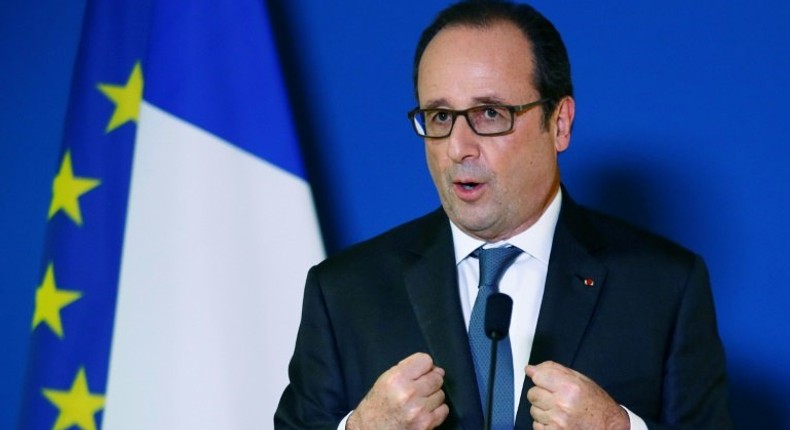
x: 180, y: 228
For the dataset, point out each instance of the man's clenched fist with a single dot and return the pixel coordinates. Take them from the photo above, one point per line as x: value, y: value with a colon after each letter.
x: 563, y: 398
x: 407, y: 396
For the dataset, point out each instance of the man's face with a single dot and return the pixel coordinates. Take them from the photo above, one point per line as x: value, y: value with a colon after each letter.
x: 491, y: 187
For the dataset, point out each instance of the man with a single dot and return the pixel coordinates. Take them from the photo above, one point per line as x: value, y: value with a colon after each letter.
x: 617, y: 325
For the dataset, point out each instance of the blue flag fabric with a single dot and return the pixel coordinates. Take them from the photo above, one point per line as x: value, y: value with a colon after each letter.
x: 75, y: 301
x: 160, y: 244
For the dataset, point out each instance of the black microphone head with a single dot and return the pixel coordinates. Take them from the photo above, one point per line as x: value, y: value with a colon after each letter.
x: 498, y: 310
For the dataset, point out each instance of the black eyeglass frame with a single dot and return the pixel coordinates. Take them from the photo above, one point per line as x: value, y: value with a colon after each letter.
x: 513, y: 109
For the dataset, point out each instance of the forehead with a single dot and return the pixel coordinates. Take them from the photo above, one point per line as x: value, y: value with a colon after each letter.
x: 465, y: 63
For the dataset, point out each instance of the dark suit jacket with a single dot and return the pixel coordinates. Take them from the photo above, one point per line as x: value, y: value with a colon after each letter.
x: 645, y: 331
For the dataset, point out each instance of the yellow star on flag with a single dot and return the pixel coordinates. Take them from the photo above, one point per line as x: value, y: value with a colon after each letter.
x: 50, y: 300
x: 77, y: 405
x: 67, y: 189
x: 127, y: 98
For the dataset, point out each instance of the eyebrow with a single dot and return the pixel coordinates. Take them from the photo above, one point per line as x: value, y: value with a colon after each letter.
x: 477, y: 101
x: 435, y: 104
x: 489, y: 100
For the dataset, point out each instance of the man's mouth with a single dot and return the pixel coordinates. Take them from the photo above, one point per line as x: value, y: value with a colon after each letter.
x: 468, y: 185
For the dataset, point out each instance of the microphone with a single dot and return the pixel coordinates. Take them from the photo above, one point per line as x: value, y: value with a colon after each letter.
x: 498, y: 311
x: 499, y: 308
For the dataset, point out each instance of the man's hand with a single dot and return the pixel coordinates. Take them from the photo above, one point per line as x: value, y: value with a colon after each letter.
x: 565, y: 399
x: 407, y: 396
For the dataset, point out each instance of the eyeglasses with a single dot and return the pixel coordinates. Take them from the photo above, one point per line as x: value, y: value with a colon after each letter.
x: 485, y: 120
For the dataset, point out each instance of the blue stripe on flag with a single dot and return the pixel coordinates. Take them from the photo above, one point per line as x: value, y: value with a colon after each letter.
x: 223, y: 50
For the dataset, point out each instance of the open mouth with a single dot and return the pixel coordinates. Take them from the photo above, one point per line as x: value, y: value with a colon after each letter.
x: 469, y: 191
x: 469, y: 185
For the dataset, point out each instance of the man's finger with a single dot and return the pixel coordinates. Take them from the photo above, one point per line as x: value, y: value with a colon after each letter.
x: 549, y: 375
x: 540, y: 398
x: 434, y: 400
x: 439, y: 414
x: 539, y: 415
x: 415, y: 365
x: 430, y: 382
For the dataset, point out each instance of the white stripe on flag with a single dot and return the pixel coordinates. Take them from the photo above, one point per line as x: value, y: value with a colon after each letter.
x: 217, y: 246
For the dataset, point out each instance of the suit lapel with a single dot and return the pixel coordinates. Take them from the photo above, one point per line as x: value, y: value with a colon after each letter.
x: 573, y: 283
x: 431, y: 281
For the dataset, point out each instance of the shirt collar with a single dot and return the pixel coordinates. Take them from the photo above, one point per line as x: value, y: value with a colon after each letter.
x: 535, y: 241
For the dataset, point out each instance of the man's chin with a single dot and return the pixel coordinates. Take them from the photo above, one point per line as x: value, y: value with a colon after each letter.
x: 474, y: 224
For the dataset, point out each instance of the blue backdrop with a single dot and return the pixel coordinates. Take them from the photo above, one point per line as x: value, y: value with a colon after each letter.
x: 679, y: 129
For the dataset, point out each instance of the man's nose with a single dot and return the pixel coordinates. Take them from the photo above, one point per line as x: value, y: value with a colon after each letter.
x: 463, y: 142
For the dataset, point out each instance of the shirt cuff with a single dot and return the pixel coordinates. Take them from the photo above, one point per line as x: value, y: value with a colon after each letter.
x: 342, y: 425
x: 635, y: 422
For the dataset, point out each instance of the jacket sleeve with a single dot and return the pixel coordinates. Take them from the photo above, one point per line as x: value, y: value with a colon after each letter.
x: 315, y: 397
x: 694, y: 392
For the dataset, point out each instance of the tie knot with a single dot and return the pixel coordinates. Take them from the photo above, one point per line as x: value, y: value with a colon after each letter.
x: 494, y: 262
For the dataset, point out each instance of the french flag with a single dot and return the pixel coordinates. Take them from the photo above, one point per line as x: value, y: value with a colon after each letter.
x: 188, y: 264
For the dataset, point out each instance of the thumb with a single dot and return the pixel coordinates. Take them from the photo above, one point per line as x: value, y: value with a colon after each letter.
x: 530, y: 370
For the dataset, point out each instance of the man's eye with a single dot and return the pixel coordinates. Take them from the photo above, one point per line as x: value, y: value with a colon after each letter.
x: 491, y: 113
x: 441, y: 116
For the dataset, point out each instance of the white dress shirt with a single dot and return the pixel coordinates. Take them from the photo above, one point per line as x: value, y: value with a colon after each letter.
x: 523, y: 281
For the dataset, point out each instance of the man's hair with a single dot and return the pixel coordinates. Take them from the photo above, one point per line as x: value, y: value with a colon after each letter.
x: 552, y: 71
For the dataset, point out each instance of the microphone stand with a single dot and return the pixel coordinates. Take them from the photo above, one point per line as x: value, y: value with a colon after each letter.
x: 491, y: 376
x: 497, y: 322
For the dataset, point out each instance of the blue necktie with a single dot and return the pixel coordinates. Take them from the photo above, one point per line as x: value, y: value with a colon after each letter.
x: 493, y: 263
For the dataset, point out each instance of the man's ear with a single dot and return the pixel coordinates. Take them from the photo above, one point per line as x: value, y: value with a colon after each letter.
x: 563, y: 121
